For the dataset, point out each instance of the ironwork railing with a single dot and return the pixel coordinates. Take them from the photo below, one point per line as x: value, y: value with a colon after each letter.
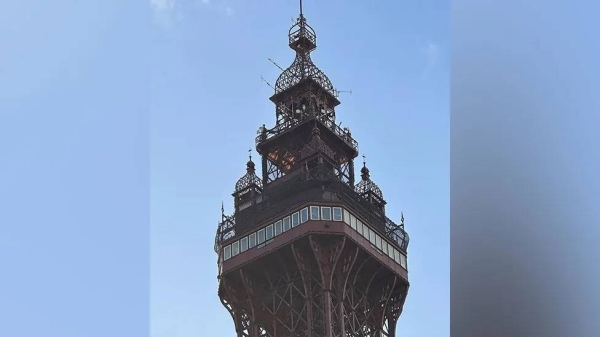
x: 302, y: 30
x: 344, y: 134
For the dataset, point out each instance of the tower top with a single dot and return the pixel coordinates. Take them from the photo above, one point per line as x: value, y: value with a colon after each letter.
x: 303, y: 40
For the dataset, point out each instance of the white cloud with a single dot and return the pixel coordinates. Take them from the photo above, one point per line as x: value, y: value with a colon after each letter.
x: 431, y: 52
x: 163, y: 12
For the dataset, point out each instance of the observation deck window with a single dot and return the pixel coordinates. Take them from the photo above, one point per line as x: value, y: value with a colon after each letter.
x: 286, y: 224
x: 347, y: 217
x: 235, y: 248
x: 244, y: 244
x: 337, y: 214
x: 326, y: 213
x: 227, y: 253
x: 304, y: 215
x: 371, y: 236
x: 269, y: 232
x: 314, y: 212
x: 278, y: 228
x: 252, y: 240
x: 403, y: 261
x: 295, y: 219
x: 261, y: 236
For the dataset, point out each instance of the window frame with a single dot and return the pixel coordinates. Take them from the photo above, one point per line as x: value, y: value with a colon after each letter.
x: 242, y: 240
x: 304, y: 212
x: 346, y: 217
x: 326, y: 208
x: 371, y: 236
x: 226, y: 251
x: 340, y: 213
x: 297, y: 216
x: 250, y: 244
x: 312, y: 213
x: 280, y: 225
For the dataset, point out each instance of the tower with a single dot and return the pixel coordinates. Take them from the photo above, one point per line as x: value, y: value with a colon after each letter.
x: 308, y: 251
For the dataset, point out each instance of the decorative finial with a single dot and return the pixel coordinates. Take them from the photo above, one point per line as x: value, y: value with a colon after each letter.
x: 365, y: 171
x: 300, y: 7
x: 222, y: 208
x: 250, y: 165
x: 402, y: 218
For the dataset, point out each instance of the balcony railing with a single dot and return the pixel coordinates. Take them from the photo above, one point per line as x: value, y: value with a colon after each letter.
x: 343, y: 133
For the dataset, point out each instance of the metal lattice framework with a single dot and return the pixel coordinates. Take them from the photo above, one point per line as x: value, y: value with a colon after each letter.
x: 367, y: 189
x: 310, y: 281
x: 225, y: 230
x: 249, y: 180
x: 303, y: 40
x: 316, y: 145
x: 317, y: 286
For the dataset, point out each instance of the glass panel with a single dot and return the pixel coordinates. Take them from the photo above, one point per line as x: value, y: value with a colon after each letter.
x: 365, y: 231
x: 286, y: 224
x: 403, y: 261
x: 359, y: 226
x: 353, y: 222
x: 304, y: 215
x: 384, y: 244
x: 337, y: 214
x: 278, y: 228
x: 378, y: 242
x: 326, y: 213
x: 252, y: 240
x: 227, y: 252
x: 396, y: 256
x: 269, y: 232
x: 346, y: 217
x: 244, y: 244
x: 235, y: 248
x: 261, y: 236
x: 295, y: 219
x: 371, y: 236
x: 314, y: 212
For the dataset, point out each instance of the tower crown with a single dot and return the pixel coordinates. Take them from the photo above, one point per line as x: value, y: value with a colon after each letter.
x: 303, y: 72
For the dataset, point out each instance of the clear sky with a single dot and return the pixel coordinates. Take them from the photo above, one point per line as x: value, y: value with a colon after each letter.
x: 116, y: 114
x: 208, y: 101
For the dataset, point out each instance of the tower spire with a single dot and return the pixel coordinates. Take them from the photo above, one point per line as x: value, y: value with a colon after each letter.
x: 301, y: 8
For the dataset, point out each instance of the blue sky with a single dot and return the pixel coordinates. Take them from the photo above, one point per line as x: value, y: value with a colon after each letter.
x: 120, y: 117
x: 208, y: 101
